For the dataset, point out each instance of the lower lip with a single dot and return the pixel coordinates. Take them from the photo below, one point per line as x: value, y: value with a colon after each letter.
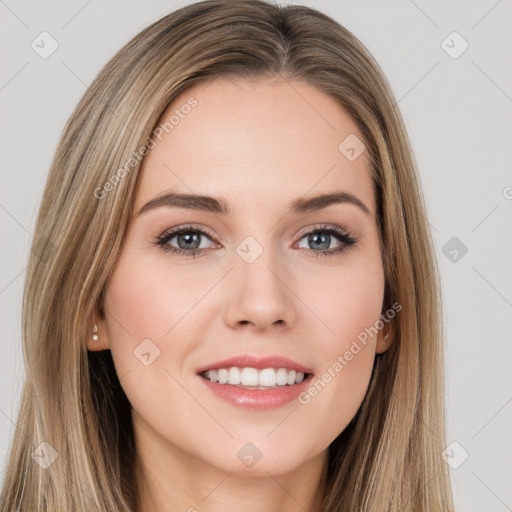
x: 259, y: 399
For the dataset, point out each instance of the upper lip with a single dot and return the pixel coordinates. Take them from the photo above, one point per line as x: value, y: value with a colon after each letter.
x: 259, y: 362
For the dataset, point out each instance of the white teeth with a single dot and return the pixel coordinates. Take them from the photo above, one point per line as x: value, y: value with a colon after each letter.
x: 249, y: 377
x: 282, y: 377
x: 235, y: 375
x: 222, y: 376
x: 252, y: 377
x: 268, y: 377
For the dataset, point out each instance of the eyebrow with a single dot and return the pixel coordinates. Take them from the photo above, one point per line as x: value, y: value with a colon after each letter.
x: 219, y: 205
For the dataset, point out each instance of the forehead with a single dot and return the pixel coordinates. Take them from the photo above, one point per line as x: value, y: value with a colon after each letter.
x: 264, y: 141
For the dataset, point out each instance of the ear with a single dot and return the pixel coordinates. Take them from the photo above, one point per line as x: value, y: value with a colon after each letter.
x: 97, y: 333
x: 385, y: 338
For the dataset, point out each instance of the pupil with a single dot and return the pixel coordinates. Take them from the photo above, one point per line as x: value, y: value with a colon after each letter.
x: 313, y: 240
x: 190, y: 238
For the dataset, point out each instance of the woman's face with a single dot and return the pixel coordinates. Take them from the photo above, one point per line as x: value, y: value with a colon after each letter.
x: 256, y: 282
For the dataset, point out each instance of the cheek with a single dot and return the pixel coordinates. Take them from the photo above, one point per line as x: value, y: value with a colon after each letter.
x: 346, y: 300
x: 147, y: 300
x: 139, y: 315
x: 149, y: 331
x: 346, y: 349
x: 153, y: 324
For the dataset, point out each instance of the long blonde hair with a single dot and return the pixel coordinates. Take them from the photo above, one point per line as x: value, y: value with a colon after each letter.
x: 389, y: 457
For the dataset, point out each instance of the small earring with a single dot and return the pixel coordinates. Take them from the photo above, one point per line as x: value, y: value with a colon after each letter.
x: 386, y: 337
x: 94, y: 333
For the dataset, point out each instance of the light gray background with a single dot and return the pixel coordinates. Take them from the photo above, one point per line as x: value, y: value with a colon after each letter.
x: 458, y: 113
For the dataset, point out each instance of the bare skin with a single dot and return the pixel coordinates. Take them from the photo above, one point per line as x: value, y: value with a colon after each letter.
x: 260, y: 146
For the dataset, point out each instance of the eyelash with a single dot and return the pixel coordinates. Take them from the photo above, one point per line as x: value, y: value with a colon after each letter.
x: 343, y: 236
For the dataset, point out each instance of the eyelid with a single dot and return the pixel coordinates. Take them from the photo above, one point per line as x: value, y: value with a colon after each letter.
x: 188, y: 227
x: 323, y: 227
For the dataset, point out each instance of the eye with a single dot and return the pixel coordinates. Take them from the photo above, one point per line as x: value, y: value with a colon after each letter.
x: 322, y: 236
x: 188, y: 240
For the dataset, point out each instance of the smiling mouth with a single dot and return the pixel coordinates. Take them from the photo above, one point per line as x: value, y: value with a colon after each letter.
x: 253, y: 378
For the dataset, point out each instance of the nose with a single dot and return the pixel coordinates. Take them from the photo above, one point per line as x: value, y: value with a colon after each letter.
x: 260, y: 294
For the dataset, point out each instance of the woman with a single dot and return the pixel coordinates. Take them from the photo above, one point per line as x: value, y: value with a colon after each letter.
x: 187, y: 344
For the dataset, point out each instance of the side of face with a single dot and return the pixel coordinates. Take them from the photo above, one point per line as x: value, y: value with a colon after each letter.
x: 257, y: 284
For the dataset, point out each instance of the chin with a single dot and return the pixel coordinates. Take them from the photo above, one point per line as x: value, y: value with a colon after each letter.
x: 244, y: 457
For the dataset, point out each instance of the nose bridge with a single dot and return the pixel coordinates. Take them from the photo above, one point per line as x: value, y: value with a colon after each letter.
x: 260, y: 293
